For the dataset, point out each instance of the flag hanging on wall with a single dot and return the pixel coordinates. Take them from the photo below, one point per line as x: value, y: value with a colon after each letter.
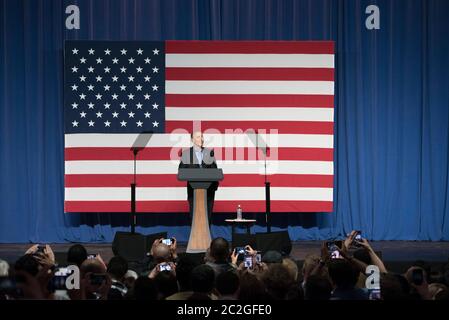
x: 265, y: 107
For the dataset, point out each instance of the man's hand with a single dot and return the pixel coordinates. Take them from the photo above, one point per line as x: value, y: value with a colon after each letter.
x: 99, y: 258
x: 32, y: 249
x: 348, y: 241
x: 44, y: 260
x: 250, y: 250
x: 234, y: 257
x: 365, y: 244
x: 49, y: 253
x: 173, y: 248
x: 157, y: 269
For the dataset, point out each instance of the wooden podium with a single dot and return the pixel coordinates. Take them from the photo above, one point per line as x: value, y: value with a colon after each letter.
x: 199, y: 179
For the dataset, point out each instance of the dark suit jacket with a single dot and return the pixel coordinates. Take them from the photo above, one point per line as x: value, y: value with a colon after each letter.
x: 189, y: 160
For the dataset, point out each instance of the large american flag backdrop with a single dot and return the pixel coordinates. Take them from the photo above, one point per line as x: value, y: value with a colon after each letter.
x: 239, y: 93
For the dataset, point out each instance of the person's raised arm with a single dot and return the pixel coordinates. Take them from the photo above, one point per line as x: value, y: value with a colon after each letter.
x: 374, y: 257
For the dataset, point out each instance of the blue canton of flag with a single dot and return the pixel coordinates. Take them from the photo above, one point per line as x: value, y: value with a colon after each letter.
x: 114, y: 87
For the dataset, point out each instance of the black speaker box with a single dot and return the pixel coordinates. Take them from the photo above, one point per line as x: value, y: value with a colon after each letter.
x: 279, y: 241
x: 242, y: 239
x: 131, y: 246
x: 134, y: 246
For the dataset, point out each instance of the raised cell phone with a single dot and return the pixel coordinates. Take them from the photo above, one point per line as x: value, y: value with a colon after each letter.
x: 168, y: 242
x: 165, y: 267
x: 248, y: 261
x: 240, y: 250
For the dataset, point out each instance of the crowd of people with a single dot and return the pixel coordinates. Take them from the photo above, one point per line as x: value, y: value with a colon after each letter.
x: 339, y: 272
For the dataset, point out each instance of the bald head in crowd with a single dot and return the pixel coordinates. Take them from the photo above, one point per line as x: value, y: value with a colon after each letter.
x: 161, y: 253
x: 92, y: 266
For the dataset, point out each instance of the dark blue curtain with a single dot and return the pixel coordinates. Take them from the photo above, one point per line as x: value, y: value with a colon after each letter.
x: 391, y: 110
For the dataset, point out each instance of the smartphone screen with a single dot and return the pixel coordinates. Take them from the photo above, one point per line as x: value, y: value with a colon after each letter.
x: 164, y: 267
x: 240, y: 250
x: 248, y: 261
x: 167, y: 242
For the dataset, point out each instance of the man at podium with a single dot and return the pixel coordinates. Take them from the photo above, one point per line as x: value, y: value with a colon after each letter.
x: 199, y: 157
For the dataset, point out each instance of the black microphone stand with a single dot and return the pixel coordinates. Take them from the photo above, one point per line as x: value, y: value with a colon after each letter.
x: 138, y: 145
x: 133, y: 194
x: 267, y: 197
x: 267, y: 188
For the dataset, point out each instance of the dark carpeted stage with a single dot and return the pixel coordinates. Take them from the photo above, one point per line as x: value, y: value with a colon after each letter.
x: 397, y: 255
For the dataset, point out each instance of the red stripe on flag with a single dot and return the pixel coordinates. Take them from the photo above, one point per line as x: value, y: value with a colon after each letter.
x: 283, y: 127
x: 165, y: 180
x: 249, y: 100
x: 248, y: 47
x: 182, y: 206
x: 313, y: 154
x: 306, y: 74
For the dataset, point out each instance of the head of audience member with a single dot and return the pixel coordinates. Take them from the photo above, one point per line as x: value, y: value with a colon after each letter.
x: 227, y: 285
x: 130, y: 278
x: 186, y: 263
x: 91, y: 266
x: 317, y: 288
x: 4, y: 268
x: 76, y: 254
x: 405, y: 286
x: 425, y: 266
x: 292, y: 267
x: 342, y: 274
x: 144, y: 289
x: 88, y: 270
x: 278, y: 281
x: 251, y: 287
x: 27, y: 263
x: 162, y: 253
x: 202, y: 279
x: 391, y: 287
x: 271, y: 257
x: 166, y: 284
x: 411, y: 278
x: 219, y: 250
x: 117, y: 268
x: 310, y: 262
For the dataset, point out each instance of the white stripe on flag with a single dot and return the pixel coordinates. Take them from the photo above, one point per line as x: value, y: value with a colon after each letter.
x: 171, y: 167
x: 250, y: 87
x: 249, y: 114
x: 210, y: 140
x: 250, y: 60
x: 180, y: 193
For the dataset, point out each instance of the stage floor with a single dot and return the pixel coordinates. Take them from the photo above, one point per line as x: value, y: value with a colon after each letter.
x: 393, y: 252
